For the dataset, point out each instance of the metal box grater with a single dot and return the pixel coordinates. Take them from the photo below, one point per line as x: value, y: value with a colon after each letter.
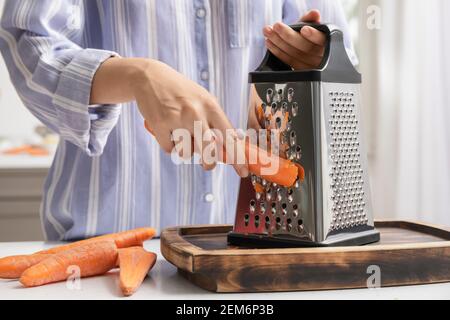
x: 319, y: 118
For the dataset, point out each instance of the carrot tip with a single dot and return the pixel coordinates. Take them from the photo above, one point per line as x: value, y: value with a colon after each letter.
x: 26, y: 282
x: 127, y: 292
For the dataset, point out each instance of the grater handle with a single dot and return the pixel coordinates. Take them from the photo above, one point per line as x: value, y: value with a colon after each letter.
x: 272, y: 63
x: 321, y: 27
x: 335, y: 61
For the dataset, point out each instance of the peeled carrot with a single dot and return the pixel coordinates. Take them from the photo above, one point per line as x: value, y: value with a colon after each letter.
x: 262, y: 163
x: 260, y: 113
x: 124, y: 239
x: 13, y: 267
x: 259, y: 188
x: 286, y: 175
x: 92, y: 259
x: 134, y: 263
x: 301, y: 173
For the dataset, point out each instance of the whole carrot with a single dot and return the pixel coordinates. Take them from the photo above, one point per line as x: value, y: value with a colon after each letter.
x: 134, y: 263
x: 13, y: 267
x: 92, y: 259
x: 124, y: 239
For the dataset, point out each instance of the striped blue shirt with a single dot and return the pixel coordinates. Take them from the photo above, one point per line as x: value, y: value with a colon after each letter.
x: 109, y: 174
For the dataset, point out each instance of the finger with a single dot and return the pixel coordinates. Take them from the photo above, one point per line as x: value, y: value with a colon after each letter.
x: 209, y: 153
x: 184, y: 149
x: 183, y: 143
x: 312, y: 16
x: 281, y: 40
x: 309, y: 60
x: 314, y: 36
x: 298, y: 40
x: 164, y: 138
x: 218, y: 120
x: 256, y: 110
x: 284, y: 41
x: 287, y: 59
x: 255, y: 117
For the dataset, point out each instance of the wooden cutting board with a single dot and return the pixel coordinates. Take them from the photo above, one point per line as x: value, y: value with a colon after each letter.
x: 408, y: 254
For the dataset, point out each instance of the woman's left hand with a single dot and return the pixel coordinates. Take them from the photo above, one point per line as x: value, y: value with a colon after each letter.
x: 300, y: 50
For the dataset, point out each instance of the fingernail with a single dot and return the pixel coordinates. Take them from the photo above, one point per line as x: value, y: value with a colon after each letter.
x: 244, y: 172
x: 277, y: 26
x: 267, y: 30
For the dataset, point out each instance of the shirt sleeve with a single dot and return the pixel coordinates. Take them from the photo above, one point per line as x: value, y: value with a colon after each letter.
x: 331, y: 12
x: 41, y: 42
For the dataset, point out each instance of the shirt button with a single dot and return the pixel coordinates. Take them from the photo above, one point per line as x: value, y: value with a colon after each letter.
x: 201, y: 13
x: 204, y: 75
x: 209, y: 197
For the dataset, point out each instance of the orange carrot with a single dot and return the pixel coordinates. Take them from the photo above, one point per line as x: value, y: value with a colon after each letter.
x: 124, y: 239
x: 135, y: 263
x: 301, y: 173
x: 260, y: 113
x: 270, y: 167
x: 261, y: 160
x: 27, y: 149
x: 13, y: 267
x: 259, y: 188
x: 286, y: 175
x: 38, y: 152
x: 17, y: 151
x: 92, y: 259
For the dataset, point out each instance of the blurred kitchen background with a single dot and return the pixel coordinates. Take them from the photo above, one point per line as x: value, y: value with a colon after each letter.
x: 403, y: 48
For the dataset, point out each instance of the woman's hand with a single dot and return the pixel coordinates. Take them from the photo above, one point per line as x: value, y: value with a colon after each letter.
x: 168, y: 101
x: 300, y: 50
x: 254, y: 115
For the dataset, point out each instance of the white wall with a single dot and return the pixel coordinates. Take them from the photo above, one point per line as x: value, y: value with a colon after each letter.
x: 15, y: 120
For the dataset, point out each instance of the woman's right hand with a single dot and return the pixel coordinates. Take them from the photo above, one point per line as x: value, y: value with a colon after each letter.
x: 168, y: 101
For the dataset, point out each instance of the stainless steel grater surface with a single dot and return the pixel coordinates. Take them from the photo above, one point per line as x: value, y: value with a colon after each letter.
x: 317, y: 114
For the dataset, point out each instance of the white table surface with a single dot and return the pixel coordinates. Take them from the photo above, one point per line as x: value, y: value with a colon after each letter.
x: 165, y: 283
x: 25, y: 162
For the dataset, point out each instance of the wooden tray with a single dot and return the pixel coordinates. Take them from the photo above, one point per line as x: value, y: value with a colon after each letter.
x: 408, y: 254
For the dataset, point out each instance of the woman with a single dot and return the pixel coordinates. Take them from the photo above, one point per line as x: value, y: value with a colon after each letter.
x: 94, y: 70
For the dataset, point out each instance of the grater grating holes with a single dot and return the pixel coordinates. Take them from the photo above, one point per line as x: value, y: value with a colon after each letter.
x: 275, y: 206
x: 346, y: 174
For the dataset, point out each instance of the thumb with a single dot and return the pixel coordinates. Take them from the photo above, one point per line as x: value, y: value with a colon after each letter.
x: 311, y: 16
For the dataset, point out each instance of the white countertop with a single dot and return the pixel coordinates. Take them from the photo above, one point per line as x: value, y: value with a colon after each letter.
x: 165, y: 283
x: 25, y: 162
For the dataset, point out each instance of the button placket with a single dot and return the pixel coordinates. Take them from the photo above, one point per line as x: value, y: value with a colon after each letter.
x: 201, y: 42
x: 204, y: 75
x: 201, y: 13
